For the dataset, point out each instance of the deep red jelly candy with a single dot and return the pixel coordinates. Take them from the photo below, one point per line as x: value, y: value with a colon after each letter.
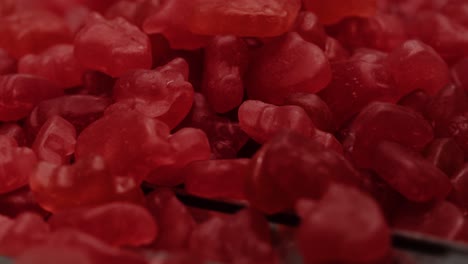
x: 16, y: 164
x: 226, y: 59
x: 57, y: 64
x: 458, y: 129
x: 170, y: 19
x: 174, y: 220
x: 459, y: 193
x: 55, y: 142
x: 262, y: 121
x: 460, y: 73
x: 79, y: 110
x: 334, y: 50
x: 97, y: 250
x: 21, y: 92
x: 316, y: 108
x: 7, y: 63
x: 23, y: 232
x: 125, y: 9
x: 32, y: 31
x: 225, y: 136
x: 457, y: 10
x: 17, y: 202
x: 285, y: 165
x: 410, y: 174
x: 243, y: 17
x: 131, y: 152
x: 417, y: 101
x: 217, y: 178
x: 188, y: 145
x: 225, y: 239
x: 447, y: 37
x: 112, y: 46
x: 445, y: 154
x: 284, y: 66
x: 176, y: 258
x: 449, y: 102
x: 384, y: 121
x: 15, y: 131
x: 382, y: 32
x: 310, y: 29
x: 414, y: 58
x: 164, y: 94
x: 327, y: 140
x: 50, y: 254
x: 85, y: 183
x: 345, y: 225
x: 113, y: 223
x: 366, y: 79
x: 441, y: 219
x: 330, y: 12
x: 97, y: 83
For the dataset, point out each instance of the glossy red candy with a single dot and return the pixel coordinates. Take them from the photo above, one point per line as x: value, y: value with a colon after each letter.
x: 330, y: 12
x: 243, y: 17
x: 345, y: 225
x: 225, y: 136
x: 31, y: 31
x: 217, y: 179
x: 164, y: 94
x: 365, y: 79
x: 445, y: 154
x: 49, y: 254
x: 262, y: 121
x: 113, y: 223
x: 242, y: 238
x: 447, y: 37
x: 25, y: 231
x: 459, y: 193
x: 187, y: 145
x: 174, y: 221
x: 226, y: 59
x: 458, y: 129
x: 460, y: 73
x: 57, y: 64
x: 284, y: 66
x: 417, y: 101
x: 129, y: 152
x: 441, y: 219
x: 310, y: 29
x: 384, y: 121
x: 285, y: 169
x: 15, y: 131
x: 79, y: 110
x: 112, y: 46
x: 97, y: 83
x: 328, y: 141
x: 449, y: 102
x: 126, y: 9
x: 410, y: 174
x: 16, y: 164
x: 7, y: 63
x: 414, y: 58
x: 316, y: 108
x: 456, y: 10
x: 20, y: 201
x: 55, y: 142
x: 19, y: 94
x: 334, y: 50
x: 85, y: 183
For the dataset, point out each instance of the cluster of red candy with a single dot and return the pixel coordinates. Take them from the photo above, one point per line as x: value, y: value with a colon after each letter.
x: 352, y: 114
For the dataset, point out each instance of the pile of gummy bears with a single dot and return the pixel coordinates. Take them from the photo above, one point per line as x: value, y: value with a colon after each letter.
x: 351, y: 114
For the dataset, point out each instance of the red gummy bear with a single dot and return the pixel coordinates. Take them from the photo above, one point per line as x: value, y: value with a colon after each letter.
x: 333, y: 11
x: 345, y: 225
x: 262, y: 121
x: 19, y: 93
x: 55, y: 142
x: 113, y: 223
x: 284, y: 66
x: 445, y: 154
x: 285, y: 169
x: 226, y: 59
x: 16, y: 163
x: 310, y: 29
x: 217, y: 179
x: 410, y: 174
x: 112, y: 46
x: 57, y: 64
x: 163, y: 93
